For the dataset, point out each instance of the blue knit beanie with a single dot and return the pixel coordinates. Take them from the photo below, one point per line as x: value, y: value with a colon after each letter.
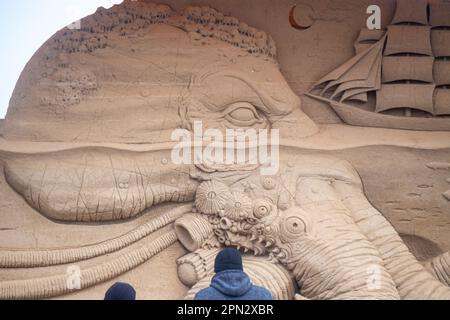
x: 228, y: 259
x: 121, y: 291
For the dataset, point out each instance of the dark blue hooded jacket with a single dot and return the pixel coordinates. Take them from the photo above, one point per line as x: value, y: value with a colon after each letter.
x: 233, y: 285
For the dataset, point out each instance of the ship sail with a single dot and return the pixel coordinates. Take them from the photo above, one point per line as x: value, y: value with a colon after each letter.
x: 407, y: 66
x: 411, y: 11
x: 367, y: 35
x: 418, y: 68
x: 356, y: 74
x: 359, y: 75
x: 442, y: 102
x: 367, y: 38
x: 408, y: 39
x: 442, y: 72
x: 440, y: 14
x: 441, y: 42
x: 414, y: 96
x: 350, y: 89
x: 357, y: 94
x: 361, y: 97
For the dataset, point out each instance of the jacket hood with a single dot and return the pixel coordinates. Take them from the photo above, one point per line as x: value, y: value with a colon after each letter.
x: 233, y: 283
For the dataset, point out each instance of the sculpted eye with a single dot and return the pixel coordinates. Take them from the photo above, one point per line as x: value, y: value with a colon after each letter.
x: 243, y: 114
x: 294, y: 225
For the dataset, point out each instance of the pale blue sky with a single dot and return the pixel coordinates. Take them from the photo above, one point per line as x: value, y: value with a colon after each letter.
x: 26, y: 25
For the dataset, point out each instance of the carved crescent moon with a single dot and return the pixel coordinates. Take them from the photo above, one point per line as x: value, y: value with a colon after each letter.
x: 307, y: 17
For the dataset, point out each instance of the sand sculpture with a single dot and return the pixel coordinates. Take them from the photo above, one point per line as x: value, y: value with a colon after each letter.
x: 399, y: 77
x: 132, y: 75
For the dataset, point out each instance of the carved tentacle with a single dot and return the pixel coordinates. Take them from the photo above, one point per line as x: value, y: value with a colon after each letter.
x: 54, y: 286
x: 327, y: 271
x: 411, y: 278
x: 336, y: 261
x: 51, y: 257
x: 439, y: 267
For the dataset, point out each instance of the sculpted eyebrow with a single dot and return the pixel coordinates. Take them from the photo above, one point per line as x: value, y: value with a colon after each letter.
x: 269, y: 105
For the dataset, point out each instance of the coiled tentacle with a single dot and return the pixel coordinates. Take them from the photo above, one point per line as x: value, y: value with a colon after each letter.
x: 48, y: 287
x: 51, y: 257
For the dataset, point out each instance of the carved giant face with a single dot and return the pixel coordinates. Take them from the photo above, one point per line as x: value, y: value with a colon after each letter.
x: 138, y: 85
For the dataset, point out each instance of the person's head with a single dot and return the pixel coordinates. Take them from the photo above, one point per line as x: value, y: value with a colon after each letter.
x: 121, y: 291
x: 228, y: 259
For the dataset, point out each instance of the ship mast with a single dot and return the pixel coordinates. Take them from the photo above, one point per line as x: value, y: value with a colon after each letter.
x: 408, y: 111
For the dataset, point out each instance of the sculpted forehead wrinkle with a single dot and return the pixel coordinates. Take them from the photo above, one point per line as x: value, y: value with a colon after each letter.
x: 258, y: 83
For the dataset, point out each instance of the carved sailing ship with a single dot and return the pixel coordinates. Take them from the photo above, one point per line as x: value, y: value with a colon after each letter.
x: 400, y: 77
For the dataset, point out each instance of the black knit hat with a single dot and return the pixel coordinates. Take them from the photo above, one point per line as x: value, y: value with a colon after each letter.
x: 228, y: 259
x: 121, y: 291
